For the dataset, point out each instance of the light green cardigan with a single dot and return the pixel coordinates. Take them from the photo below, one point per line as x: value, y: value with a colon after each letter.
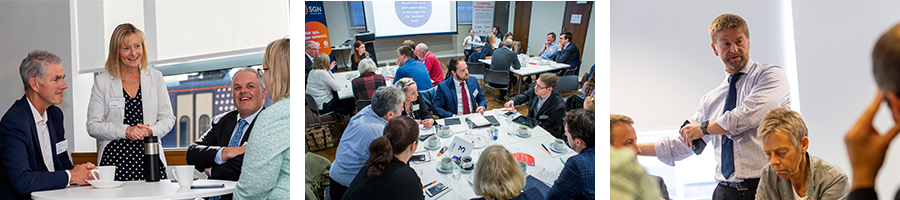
x: 266, y: 170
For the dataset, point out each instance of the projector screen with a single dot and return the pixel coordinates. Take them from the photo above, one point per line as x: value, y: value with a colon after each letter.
x: 406, y: 18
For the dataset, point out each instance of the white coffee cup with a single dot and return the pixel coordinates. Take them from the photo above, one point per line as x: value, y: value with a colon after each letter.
x: 466, y: 162
x: 446, y: 164
x: 432, y: 141
x: 105, y: 173
x: 184, y: 174
x: 558, y: 145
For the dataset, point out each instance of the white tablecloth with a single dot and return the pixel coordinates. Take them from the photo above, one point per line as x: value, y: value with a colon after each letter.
x: 531, y: 67
x: 345, y: 79
x: 546, y: 167
x: 164, y: 189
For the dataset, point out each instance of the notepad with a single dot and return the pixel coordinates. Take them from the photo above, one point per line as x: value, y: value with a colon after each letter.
x: 478, y: 120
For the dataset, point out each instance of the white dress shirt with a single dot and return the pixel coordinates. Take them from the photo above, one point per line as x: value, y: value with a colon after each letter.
x: 459, y: 99
x: 763, y: 87
x: 43, y: 132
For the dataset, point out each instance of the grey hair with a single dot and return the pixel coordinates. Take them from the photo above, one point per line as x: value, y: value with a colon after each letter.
x: 784, y: 120
x: 35, y: 66
x: 366, y: 65
x: 403, y: 82
x: 422, y: 47
x: 311, y: 43
x: 387, y: 98
x: 251, y: 70
x: 508, y: 43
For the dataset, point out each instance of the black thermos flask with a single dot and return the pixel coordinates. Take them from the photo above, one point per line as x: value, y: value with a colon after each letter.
x: 151, y: 159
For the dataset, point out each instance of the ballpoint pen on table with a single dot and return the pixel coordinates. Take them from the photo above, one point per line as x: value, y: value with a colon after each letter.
x: 545, y: 149
x: 429, y: 184
x: 563, y: 162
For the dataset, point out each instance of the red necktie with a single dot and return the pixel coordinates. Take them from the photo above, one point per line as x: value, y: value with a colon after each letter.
x: 465, y: 98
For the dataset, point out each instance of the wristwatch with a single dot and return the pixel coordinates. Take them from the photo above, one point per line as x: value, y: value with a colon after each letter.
x: 703, y: 127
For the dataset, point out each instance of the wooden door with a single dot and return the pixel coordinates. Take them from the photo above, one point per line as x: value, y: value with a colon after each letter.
x: 579, y: 31
x: 521, y: 26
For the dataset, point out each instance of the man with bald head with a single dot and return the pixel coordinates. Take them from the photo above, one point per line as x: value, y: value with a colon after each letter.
x: 432, y: 64
x: 220, y: 151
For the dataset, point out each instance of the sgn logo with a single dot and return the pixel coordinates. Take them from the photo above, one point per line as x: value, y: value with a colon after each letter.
x: 314, y: 9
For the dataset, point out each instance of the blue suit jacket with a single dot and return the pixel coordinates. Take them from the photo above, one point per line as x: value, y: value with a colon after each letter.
x: 445, y: 100
x: 22, y: 168
x: 569, y: 55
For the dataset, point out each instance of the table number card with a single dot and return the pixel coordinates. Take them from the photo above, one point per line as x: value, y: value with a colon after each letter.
x: 461, y: 147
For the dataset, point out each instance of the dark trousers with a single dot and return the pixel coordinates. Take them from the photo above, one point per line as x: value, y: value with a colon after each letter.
x: 728, y: 193
x: 468, y: 52
x: 342, y: 106
x: 337, y: 190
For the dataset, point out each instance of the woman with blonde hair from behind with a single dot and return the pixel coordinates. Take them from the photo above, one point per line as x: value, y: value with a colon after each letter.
x: 268, y: 155
x: 498, y: 177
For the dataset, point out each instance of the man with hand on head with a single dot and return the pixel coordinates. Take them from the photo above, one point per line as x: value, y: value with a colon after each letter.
x: 729, y: 114
x: 865, y: 146
x: 567, y: 53
x: 550, y: 46
x: 33, y: 147
x: 220, y: 151
x: 623, y: 136
x: 459, y: 94
x: 544, y: 104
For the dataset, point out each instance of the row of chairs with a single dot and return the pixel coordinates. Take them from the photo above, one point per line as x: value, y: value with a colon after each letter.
x: 499, y: 80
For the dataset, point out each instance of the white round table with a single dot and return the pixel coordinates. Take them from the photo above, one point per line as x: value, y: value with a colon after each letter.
x: 138, y: 190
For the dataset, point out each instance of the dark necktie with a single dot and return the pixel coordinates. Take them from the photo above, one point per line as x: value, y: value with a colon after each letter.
x: 236, y: 138
x: 465, y: 98
x: 727, y: 143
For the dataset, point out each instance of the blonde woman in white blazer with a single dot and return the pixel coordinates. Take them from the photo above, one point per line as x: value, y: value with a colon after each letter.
x: 115, y: 97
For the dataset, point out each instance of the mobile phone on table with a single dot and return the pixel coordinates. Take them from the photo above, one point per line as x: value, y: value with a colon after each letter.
x: 420, y: 157
x: 425, y: 136
x: 435, y: 189
x: 220, y: 185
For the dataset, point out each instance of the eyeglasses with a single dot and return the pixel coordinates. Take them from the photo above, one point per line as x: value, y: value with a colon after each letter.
x: 539, y: 87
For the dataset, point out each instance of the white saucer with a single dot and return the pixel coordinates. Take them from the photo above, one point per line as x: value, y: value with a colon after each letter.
x: 444, y: 136
x: 442, y: 171
x: 105, y: 184
x: 563, y: 149
x: 525, y: 135
x: 467, y: 171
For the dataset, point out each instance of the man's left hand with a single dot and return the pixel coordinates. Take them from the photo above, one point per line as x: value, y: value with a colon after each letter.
x: 689, y: 133
x: 480, y: 110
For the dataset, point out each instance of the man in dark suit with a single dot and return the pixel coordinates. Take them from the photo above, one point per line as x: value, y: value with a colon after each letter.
x: 544, y: 104
x: 568, y: 52
x: 503, y: 59
x: 460, y: 87
x: 312, y: 49
x: 33, y: 147
x: 220, y: 151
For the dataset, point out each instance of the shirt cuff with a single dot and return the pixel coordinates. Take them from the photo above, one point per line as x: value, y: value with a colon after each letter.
x: 219, y: 160
x: 68, y: 180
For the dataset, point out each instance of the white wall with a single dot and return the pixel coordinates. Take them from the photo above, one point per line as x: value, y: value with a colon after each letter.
x: 546, y: 17
x: 834, y: 48
x: 28, y: 26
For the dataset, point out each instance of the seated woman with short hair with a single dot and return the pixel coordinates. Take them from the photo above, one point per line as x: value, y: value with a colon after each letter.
x: 414, y: 106
x: 387, y: 175
x: 792, y: 173
x: 498, y: 177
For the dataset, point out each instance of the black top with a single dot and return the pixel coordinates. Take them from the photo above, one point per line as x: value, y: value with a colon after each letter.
x: 551, y: 113
x: 398, y: 181
x: 423, y: 112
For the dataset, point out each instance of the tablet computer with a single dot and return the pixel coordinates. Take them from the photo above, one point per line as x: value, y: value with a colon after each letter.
x: 527, y: 121
x: 452, y: 121
x: 493, y: 120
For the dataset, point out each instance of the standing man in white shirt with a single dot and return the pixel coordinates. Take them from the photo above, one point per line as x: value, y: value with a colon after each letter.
x: 468, y: 47
x: 729, y: 115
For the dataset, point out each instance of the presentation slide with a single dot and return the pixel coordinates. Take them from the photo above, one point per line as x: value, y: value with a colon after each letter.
x: 405, y: 18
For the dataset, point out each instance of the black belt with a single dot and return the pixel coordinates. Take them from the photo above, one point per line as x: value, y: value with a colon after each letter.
x: 741, y: 186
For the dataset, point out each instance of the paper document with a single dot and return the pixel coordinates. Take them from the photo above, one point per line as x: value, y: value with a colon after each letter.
x: 478, y: 119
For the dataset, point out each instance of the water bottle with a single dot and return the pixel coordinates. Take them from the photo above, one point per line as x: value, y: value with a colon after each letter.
x: 151, y: 159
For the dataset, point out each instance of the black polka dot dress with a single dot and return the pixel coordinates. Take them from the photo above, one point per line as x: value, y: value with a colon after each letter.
x: 125, y: 154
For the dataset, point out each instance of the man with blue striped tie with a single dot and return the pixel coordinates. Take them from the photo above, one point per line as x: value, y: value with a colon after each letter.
x: 729, y: 115
x: 220, y: 151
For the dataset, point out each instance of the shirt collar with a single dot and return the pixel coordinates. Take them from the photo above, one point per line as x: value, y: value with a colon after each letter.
x: 309, y: 56
x: 455, y: 82
x: 746, y: 69
x: 250, y: 118
x: 34, y: 113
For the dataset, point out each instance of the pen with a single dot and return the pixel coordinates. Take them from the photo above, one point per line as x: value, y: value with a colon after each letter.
x: 560, y: 160
x: 545, y: 148
x: 429, y: 184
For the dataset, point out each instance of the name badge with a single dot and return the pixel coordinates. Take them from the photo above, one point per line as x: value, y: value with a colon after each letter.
x: 415, y: 107
x: 61, y: 147
x: 474, y: 94
x: 117, y: 102
x: 543, y: 117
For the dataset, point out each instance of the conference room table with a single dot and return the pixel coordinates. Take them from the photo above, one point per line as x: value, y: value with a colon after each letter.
x: 345, y: 79
x: 133, y: 190
x: 546, y: 166
x: 531, y: 66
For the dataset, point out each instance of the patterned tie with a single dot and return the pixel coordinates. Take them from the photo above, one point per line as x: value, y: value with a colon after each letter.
x: 465, y: 98
x: 236, y: 138
x: 727, y: 143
